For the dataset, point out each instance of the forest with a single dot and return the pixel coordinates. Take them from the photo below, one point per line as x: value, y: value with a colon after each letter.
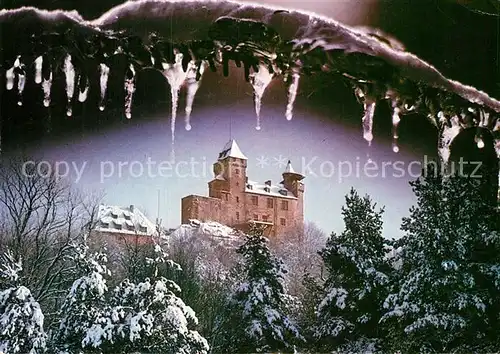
x: 436, y: 289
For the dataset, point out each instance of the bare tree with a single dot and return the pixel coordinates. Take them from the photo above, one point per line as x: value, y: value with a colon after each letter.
x: 42, y: 217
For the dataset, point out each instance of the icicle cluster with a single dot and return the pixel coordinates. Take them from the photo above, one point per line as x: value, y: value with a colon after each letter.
x: 177, y: 77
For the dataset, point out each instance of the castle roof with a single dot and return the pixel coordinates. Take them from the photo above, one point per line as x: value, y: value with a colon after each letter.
x: 269, y: 189
x: 124, y: 220
x: 289, y: 168
x: 231, y: 149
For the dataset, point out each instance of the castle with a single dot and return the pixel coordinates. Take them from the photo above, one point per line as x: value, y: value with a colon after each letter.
x: 236, y: 201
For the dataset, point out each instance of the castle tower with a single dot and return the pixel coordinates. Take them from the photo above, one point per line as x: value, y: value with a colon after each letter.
x: 230, y: 176
x: 293, y: 182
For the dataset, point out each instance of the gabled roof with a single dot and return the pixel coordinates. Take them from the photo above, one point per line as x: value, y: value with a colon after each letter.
x: 124, y: 220
x: 231, y: 149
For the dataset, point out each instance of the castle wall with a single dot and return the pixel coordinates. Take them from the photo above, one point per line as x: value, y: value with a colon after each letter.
x: 201, y: 208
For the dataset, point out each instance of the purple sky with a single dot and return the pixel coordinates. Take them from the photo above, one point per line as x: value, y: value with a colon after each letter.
x: 313, y: 144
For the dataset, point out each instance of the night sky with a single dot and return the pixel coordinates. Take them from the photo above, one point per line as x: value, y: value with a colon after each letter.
x: 326, y: 127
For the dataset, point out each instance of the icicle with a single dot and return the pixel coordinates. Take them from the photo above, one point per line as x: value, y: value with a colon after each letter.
x: 395, y: 123
x: 10, y: 74
x: 369, y: 107
x: 104, y: 71
x: 38, y: 69
x: 69, y: 72
x: 292, y: 95
x: 192, y: 87
x: 480, y: 143
x: 20, y: 87
x: 82, y: 95
x: 260, y: 80
x: 448, y: 134
x: 175, y: 76
x: 47, y: 86
x: 130, y: 89
x: 478, y: 138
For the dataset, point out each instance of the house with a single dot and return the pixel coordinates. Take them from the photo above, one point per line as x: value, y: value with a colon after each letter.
x: 123, y: 225
x: 235, y: 200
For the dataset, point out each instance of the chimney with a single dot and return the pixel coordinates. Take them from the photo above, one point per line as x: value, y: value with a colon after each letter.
x: 268, y: 182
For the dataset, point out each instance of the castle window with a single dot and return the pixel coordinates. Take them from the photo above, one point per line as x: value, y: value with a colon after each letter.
x: 237, y: 171
x: 284, y: 204
x: 237, y: 216
x: 255, y: 200
x: 270, y: 203
x: 283, y: 222
x: 265, y: 218
x: 255, y: 217
x: 237, y: 199
x: 226, y: 197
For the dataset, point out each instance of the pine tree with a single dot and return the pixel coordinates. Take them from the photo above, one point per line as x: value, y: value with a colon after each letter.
x: 446, y: 297
x: 257, y: 317
x: 348, y: 314
x: 147, y: 317
x: 84, y: 302
x: 21, y: 319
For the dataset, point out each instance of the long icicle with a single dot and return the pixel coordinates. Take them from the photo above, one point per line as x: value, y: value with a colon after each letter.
x: 260, y: 81
x: 38, y: 69
x: 82, y: 95
x: 395, y: 124
x: 175, y: 76
x: 104, y: 76
x: 129, y: 90
x: 292, y: 94
x: 192, y: 87
x: 69, y: 72
x: 47, y: 87
x: 21, y: 83
x: 369, y: 113
x: 10, y: 74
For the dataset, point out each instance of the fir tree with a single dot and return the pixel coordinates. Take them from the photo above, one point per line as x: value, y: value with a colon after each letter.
x: 353, y: 292
x: 446, y: 297
x: 21, y: 319
x: 147, y: 317
x: 85, y: 300
x: 257, y: 318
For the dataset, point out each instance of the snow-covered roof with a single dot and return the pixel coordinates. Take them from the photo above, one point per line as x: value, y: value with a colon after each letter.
x: 231, y: 149
x: 209, y: 228
x: 124, y: 220
x: 270, y: 190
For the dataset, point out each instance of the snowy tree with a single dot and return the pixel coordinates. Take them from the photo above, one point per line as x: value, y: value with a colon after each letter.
x: 257, y: 319
x: 446, y: 296
x: 355, y: 287
x: 147, y: 317
x: 21, y: 319
x: 85, y: 300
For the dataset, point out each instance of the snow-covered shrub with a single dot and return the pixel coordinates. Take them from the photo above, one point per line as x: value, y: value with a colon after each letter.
x: 21, y: 319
